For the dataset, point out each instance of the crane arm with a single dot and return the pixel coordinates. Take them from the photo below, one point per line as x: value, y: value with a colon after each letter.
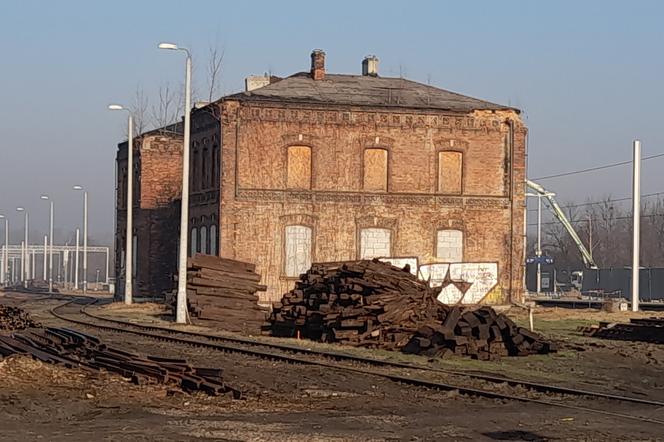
x: 558, y: 213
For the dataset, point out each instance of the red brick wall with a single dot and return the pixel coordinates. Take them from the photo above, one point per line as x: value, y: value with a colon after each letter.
x: 255, y: 205
x: 158, y: 166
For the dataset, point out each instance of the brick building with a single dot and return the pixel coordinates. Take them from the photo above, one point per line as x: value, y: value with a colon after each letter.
x: 327, y: 167
x: 157, y: 189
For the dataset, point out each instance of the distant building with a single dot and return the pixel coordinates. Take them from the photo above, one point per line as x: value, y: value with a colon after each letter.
x: 328, y: 167
x: 157, y: 190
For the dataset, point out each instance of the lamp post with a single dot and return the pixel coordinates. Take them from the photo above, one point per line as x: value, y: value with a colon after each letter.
x: 50, y: 248
x: 76, y: 258
x: 129, y: 255
x: 5, y: 254
x: 24, y: 251
x: 181, y: 305
x: 85, y: 237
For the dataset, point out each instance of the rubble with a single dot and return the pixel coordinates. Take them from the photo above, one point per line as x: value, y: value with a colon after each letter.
x: 222, y: 293
x: 376, y: 305
x: 15, y: 318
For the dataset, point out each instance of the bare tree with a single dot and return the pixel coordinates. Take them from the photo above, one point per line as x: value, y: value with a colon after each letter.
x: 139, y: 111
x: 167, y: 110
x: 216, y: 57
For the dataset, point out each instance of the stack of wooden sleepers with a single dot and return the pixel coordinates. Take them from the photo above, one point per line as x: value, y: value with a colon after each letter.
x: 221, y: 293
x: 638, y: 329
x: 376, y: 305
x: 15, y: 318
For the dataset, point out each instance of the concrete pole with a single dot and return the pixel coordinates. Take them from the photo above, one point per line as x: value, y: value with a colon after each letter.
x: 23, y: 262
x: 45, y: 265
x: 539, y: 244
x: 34, y: 260
x: 181, y: 309
x: 129, y: 255
x: 636, y: 216
x: 6, y: 253
x: 78, y: 231
x: 25, y: 252
x: 50, y: 249
x: 2, y: 269
x: 65, y: 265
x: 85, y: 241
x: 107, y: 262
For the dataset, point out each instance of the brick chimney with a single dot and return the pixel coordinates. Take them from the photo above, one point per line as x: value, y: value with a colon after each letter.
x: 318, y: 64
x: 370, y: 66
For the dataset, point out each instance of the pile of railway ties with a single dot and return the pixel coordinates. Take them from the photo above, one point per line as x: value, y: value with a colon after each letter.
x: 373, y: 304
x: 74, y: 349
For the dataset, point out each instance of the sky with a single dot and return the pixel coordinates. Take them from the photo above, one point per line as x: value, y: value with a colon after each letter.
x: 587, y: 75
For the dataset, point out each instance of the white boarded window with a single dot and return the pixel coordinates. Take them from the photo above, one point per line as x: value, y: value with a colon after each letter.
x: 449, y: 245
x: 298, y: 250
x: 213, y: 240
x: 193, y: 241
x: 375, y: 243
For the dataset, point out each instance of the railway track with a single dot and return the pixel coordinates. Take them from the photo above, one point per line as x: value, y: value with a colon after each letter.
x: 367, y: 366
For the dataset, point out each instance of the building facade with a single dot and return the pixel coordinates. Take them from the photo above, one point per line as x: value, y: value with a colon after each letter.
x: 329, y: 167
x: 157, y: 187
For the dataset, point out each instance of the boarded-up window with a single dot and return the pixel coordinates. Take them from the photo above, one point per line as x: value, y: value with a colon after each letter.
x: 193, y: 242
x: 375, y: 170
x: 449, y: 246
x: 450, y: 166
x: 204, y: 248
x: 213, y: 240
x: 375, y: 243
x: 299, y: 167
x: 298, y: 250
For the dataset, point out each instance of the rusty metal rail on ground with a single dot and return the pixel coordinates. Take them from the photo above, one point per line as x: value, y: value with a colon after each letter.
x: 403, y: 379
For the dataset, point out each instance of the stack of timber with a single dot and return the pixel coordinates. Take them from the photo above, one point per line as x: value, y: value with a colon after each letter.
x: 221, y: 293
x: 638, y: 329
x: 376, y: 305
x: 15, y: 318
x: 75, y: 349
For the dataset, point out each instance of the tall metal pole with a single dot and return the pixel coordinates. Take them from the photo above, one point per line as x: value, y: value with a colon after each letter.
x: 107, y: 261
x: 25, y: 249
x: 85, y: 241
x: 50, y: 250
x: 181, y: 310
x: 44, y: 264
x: 539, y: 244
x: 22, y: 278
x: 34, y: 261
x: 78, y: 231
x: 636, y: 216
x: 129, y: 252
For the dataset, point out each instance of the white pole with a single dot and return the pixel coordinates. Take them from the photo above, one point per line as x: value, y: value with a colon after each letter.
x: 129, y: 268
x: 22, y: 260
x: 78, y: 231
x: 85, y: 241
x: 65, y: 262
x: 6, y: 260
x: 34, y: 260
x: 636, y: 215
x: 181, y: 309
x: 539, y: 244
x: 25, y: 249
x: 45, y: 265
x: 107, y: 261
x: 50, y: 251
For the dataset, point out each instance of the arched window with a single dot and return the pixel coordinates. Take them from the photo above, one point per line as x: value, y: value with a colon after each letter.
x: 298, y: 250
x: 213, y: 240
x: 215, y: 166
x: 375, y: 170
x: 299, y: 167
x: 134, y: 255
x: 375, y: 243
x: 450, y: 171
x: 204, y: 246
x: 449, y: 245
x: 193, y: 241
x: 205, y: 169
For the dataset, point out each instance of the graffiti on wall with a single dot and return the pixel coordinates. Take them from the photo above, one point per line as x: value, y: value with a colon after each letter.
x: 461, y: 283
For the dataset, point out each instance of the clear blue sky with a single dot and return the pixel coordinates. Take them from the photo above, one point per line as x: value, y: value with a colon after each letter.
x: 587, y: 74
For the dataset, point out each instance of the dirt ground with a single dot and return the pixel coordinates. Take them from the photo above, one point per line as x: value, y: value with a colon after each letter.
x: 292, y: 402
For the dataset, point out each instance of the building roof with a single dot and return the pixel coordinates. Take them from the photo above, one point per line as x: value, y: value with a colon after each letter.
x: 365, y: 90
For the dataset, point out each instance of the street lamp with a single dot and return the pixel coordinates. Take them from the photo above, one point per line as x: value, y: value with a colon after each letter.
x: 5, y: 253
x: 50, y: 248
x: 181, y: 305
x: 85, y: 237
x: 24, y: 251
x: 129, y: 267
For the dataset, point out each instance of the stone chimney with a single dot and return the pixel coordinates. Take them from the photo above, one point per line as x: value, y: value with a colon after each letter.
x: 318, y: 64
x: 256, y: 82
x: 370, y: 66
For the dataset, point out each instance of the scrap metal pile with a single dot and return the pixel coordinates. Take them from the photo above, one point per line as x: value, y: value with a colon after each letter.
x: 638, y: 329
x: 15, y: 318
x: 222, y: 293
x: 74, y: 349
x: 376, y: 305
